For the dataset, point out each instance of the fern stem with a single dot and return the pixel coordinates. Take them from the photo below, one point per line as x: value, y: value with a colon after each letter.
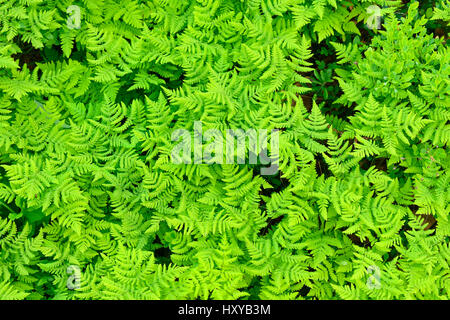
x: 7, y: 207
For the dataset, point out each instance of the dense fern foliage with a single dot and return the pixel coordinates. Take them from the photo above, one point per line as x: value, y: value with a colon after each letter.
x: 92, y: 207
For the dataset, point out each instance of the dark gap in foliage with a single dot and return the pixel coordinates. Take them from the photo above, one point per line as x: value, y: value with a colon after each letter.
x: 254, y: 288
x: 123, y: 121
x: 271, y: 223
x: 379, y: 163
x: 307, y: 102
x: 324, y: 62
x: 413, y: 208
x: 322, y: 166
x: 141, y: 152
x: 430, y: 221
x: 325, y: 88
x: 276, y: 181
x: 304, y: 291
x: 366, y: 33
x: 162, y: 254
x: 357, y: 241
x: 338, y: 110
x: 125, y: 96
x: 29, y: 55
x: 78, y: 53
x: 391, y: 255
x: 439, y: 28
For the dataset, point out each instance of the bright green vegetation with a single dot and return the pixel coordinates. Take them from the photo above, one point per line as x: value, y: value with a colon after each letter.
x: 358, y: 210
